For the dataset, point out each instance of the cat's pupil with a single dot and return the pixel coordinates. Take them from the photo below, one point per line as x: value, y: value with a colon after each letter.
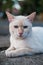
x: 25, y: 26
x: 15, y: 26
x: 22, y: 26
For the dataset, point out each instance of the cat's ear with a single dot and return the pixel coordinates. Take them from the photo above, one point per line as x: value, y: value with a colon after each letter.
x: 10, y: 16
x: 31, y: 17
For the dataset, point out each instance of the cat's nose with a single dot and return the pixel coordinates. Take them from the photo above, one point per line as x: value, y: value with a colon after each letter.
x: 20, y: 30
x: 20, y: 33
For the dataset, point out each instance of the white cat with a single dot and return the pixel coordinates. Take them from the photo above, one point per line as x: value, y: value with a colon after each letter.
x: 24, y: 39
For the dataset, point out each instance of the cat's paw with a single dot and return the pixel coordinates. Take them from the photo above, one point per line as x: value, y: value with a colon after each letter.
x: 8, y: 54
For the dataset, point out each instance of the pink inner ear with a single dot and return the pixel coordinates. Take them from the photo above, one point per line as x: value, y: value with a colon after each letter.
x: 31, y: 17
x: 10, y: 16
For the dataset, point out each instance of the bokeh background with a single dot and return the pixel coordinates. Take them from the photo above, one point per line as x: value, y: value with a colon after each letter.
x: 18, y: 7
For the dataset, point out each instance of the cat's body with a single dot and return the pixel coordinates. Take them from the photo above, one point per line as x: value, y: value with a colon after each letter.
x: 35, y: 41
x: 25, y: 39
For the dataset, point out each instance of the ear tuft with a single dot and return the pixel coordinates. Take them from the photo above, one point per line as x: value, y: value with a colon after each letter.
x: 10, y: 16
x: 31, y: 17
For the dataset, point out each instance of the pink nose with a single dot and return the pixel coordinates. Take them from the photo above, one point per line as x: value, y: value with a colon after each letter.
x: 20, y: 33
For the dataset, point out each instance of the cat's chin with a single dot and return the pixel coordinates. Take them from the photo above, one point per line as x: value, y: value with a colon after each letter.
x: 21, y: 38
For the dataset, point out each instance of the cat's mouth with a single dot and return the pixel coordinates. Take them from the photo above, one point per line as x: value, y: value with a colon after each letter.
x: 23, y: 36
x: 20, y: 37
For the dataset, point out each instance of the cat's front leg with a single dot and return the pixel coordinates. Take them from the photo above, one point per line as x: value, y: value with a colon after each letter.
x: 8, y: 51
x: 18, y: 52
x: 24, y: 51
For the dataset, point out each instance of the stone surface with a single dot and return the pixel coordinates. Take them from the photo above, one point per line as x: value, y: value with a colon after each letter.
x: 24, y: 60
x: 4, y: 41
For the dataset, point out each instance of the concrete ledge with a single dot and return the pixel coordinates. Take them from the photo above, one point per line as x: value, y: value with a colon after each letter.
x: 4, y: 41
x: 25, y: 60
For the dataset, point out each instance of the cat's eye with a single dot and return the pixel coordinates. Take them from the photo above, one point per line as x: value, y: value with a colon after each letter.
x: 25, y: 26
x: 15, y: 26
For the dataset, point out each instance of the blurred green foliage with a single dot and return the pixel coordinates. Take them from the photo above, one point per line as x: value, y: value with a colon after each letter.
x: 31, y: 6
x: 6, y: 4
x: 28, y: 6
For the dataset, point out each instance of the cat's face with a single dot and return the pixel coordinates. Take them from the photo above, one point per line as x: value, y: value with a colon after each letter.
x: 20, y: 26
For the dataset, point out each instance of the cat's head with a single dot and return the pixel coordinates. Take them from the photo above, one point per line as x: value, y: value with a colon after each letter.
x: 20, y: 26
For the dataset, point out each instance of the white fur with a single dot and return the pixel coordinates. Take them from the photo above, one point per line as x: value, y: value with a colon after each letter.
x: 33, y: 43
